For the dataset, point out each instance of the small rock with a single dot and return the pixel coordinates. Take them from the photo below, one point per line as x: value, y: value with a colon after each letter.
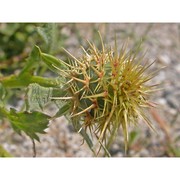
x: 173, y: 101
x: 144, y: 153
x: 172, y: 111
x: 161, y: 101
x: 164, y: 59
x: 177, y: 68
x: 161, y: 76
x: 119, y: 154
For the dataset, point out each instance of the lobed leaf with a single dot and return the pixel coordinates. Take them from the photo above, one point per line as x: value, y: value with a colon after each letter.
x: 30, y: 123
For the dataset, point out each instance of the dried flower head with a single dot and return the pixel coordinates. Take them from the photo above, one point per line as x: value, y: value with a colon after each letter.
x: 108, y: 90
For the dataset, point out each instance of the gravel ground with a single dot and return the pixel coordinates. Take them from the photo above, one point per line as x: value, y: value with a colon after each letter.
x: 162, y: 42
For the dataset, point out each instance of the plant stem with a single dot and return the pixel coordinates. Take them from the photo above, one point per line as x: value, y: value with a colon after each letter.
x: 15, y: 81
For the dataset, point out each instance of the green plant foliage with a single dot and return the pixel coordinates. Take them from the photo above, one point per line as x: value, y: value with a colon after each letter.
x: 16, y: 40
x: 27, y: 75
x: 4, y: 153
x: 38, y: 97
x: 77, y: 126
x: 2, y: 92
x: 3, y: 113
x: 133, y: 136
x: 63, y: 109
x: 14, y: 37
x: 32, y: 61
x: 49, y: 33
x: 29, y: 122
x: 52, y: 62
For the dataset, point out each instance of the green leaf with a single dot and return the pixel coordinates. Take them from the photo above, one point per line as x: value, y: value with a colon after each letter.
x: 32, y: 61
x: 38, y: 96
x: 53, y: 63
x: 174, y: 150
x: 133, y: 136
x: 59, y: 92
x: 30, y: 123
x: 63, y: 110
x: 3, y: 113
x: 87, y: 139
x: 49, y: 33
x: 77, y: 126
x: 2, y: 92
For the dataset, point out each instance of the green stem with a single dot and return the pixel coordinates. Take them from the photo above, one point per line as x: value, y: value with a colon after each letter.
x: 15, y: 81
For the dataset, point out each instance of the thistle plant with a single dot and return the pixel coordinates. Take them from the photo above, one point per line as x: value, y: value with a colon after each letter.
x: 103, y: 92
x: 107, y: 91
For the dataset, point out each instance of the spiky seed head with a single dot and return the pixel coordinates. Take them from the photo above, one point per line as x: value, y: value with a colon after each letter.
x: 108, y: 90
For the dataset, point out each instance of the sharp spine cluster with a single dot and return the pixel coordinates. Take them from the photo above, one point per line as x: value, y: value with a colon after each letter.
x: 107, y: 91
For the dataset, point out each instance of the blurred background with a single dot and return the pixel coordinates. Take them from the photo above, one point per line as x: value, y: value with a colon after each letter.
x: 161, y: 43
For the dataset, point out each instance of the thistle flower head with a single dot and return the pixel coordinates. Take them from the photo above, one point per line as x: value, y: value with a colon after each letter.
x: 108, y: 90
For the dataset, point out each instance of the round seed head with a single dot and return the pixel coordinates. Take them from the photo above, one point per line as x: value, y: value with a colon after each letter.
x: 109, y: 91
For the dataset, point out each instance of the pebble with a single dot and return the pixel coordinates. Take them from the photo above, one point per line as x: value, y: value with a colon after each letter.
x: 161, y: 76
x: 161, y: 101
x: 144, y: 153
x: 164, y: 59
x: 119, y: 154
x: 172, y: 111
x: 177, y: 68
x: 173, y: 101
